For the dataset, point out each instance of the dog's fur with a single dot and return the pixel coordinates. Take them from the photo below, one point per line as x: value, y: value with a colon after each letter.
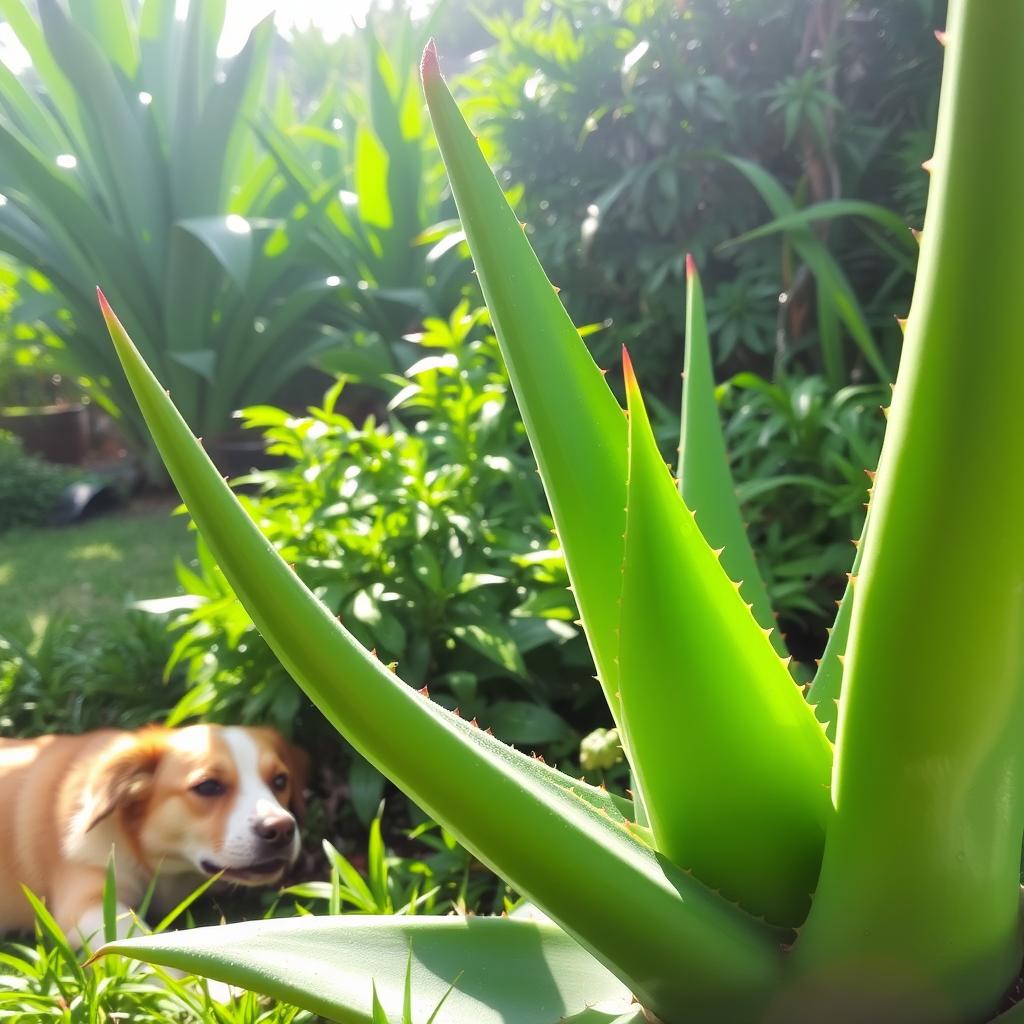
x: 67, y: 801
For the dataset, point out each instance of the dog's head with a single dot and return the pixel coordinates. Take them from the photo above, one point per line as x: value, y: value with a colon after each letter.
x: 208, y: 798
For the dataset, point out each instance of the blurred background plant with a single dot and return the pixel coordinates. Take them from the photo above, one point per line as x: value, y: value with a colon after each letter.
x: 235, y: 260
x: 612, y: 121
x: 33, y: 358
x: 365, y: 159
x: 411, y: 531
x: 803, y: 456
x: 30, y: 488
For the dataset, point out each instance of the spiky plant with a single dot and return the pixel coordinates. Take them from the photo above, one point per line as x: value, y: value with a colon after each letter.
x: 762, y: 874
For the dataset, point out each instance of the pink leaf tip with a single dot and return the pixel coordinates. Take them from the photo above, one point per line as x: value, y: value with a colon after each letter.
x: 691, y: 266
x: 104, y: 305
x: 627, y: 369
x: 430, y: 69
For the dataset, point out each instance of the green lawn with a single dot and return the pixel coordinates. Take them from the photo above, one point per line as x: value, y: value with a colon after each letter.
x: 91, y: 569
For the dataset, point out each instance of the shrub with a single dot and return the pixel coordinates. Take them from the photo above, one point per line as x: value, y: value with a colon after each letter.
x: 30, y: 488
x: 612, y: 121
x: 428, y: 536
x: 801, y: 457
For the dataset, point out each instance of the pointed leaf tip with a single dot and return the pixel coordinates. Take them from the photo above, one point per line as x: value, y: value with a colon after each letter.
x: 114, y: 325
x: 627, y: 370
x: 691, y: 266
x: 430, y: 68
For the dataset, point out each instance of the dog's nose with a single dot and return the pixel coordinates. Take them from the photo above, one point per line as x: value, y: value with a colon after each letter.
x: 275, y: 830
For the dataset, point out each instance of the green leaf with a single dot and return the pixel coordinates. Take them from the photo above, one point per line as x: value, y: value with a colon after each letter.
x: 494, y: 643
x: 824, y: 691
x: 522, y: 722
x: 366, y: 787
x: 201, y: 361
x: 371, y: 179
x: 928, y: 750
x: 229, y: 240
x: 499, y: 804
x: 828, y: 276
x: 733, y: 765
x: 108, y: 22
x: 110, y: 902
x: 503, y: 970
x: 580, y: 445
x: 705, y: 481
x: 829, y: 209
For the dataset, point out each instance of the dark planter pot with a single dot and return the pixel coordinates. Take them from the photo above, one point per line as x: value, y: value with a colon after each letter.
x: 236, y: 453
x: 57, y: 433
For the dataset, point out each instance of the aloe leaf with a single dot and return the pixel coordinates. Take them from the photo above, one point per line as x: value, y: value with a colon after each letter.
x: 733, y: 765
x: 500, y: 970
x: 823, y: 693
x: 705, y: 481
x: 580, y: 446
x: 673, y: 941
x: 928, y: 751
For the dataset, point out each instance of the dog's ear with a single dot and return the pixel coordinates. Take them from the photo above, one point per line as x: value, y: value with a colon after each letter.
x: 298, y: 765
x: 123, y: 779
x: 297, y: 762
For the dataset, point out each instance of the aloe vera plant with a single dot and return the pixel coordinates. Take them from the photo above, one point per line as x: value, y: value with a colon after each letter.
x: 762, y: 874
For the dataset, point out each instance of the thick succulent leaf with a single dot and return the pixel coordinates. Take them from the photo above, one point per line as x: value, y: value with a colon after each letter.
x: 1015, y: 1015
x: 928, y: 749
x: 705, y: 481
x: 580, y: 445
x: 673, y: 941
x: 823, y: 694
x: 503, y: 970
x: 733, y: 765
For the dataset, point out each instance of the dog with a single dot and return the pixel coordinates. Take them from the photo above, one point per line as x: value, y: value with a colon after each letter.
x: 176, y: 805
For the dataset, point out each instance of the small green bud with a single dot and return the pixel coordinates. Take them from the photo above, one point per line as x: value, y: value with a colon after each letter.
x: 600, y: 750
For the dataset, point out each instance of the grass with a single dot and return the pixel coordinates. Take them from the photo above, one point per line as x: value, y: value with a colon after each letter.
x: 91, y: 569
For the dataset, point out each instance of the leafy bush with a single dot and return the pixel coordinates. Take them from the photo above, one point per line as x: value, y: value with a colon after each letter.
x: 801, y: 457
x: 30, y: 488
x: 428, y: 536
x: 613, y: 120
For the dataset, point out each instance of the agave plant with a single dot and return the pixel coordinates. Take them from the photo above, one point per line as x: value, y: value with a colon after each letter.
x: 762, y: 872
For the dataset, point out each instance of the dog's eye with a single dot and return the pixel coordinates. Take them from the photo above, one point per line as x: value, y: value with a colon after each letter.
x: 279, y: 783
x: 209, y: 787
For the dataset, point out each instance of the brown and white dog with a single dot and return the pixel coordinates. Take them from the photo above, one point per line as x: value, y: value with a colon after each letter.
x: 171, y: 803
